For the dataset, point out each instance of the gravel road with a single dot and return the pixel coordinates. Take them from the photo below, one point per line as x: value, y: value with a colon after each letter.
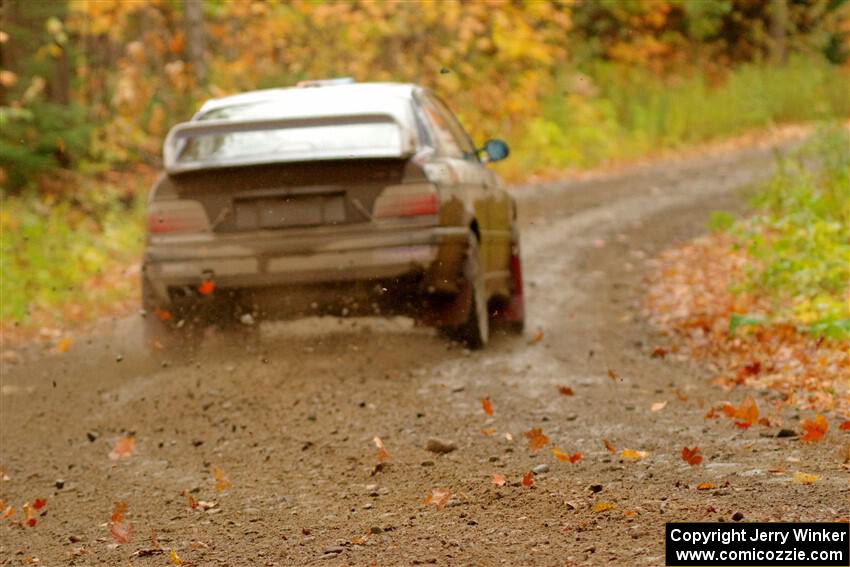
x: 289, y: 413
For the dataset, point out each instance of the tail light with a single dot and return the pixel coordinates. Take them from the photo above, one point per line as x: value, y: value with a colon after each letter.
x: 411, y: 200
x: 177, y: 216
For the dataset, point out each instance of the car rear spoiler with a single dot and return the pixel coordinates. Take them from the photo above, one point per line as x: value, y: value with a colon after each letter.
x: 176, y: 139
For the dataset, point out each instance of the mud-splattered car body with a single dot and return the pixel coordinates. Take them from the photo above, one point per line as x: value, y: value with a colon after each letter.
x: 368, y: 191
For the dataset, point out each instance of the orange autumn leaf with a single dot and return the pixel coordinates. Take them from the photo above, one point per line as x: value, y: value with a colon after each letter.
x: 845, y: 426
x: 118, y: 511
x: 163, y: 315
x: 28, y: 515
x: 39, y: 503
x: 566, y: 391
x: 206, y: 287
x: 706, y: 486
x: 747, y: 413
x: 64, y: 345
x: 536, y: 439
x: 439, y: 497
x: 814, y: 429
x: 691, y: 456
x: 489, y: 431
x: 561, y: 456
x: 222, y: 483
x: 538, y: 336
x: 612, y: 375
x: 487, y: 406
x: 383, y: 455
x: 498, y: 479
x: 123, y: 448
x: 8, y: 512
x: 609, y: 445
x: 528, y: 479
x: 121, y: 533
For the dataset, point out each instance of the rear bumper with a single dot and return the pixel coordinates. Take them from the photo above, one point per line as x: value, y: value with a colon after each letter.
x: 269, y: 258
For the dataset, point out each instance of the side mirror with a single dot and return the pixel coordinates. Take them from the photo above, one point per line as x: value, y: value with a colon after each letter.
x: 496, y: 150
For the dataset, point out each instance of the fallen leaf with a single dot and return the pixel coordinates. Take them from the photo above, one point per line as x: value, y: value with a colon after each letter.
x: 845, y: 426
x: 603, y: 506
x: 659, y: 352
x: 121, y: 533
x: 499, y: 479
x: 382, y: 451
x: 438, y: 497
x: 509, y: 437
x: 123, y: 448
x: 566, y: 391
x: 613, y: 375
x: 64, y: 345
x: 630, y: 513
x: 39, y: 503
x: 163, y: 315
x: 561, y: 456
x: 528, y: 479
x: 691, y: 456
x: 206, y: 287
x: 489, y: 431
x: 174, y: 558
x: 487, y: 406
x: 815, y: 429
x: 28, y: 515
x: 8, y: 512
x: 805, y: 478
x: 609, y: 445
x: 632, y: 455
x: 658, y: 406
x: 706, y: 486
x: 536, y: 439
x: 222, y: 483
x: 118, y: 511
x: 747, y: 413
x: 538, y: 336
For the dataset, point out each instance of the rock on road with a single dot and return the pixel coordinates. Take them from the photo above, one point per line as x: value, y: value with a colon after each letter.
x: 289, y: 414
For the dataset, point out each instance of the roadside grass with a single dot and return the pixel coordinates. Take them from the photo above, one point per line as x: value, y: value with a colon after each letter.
x: 764, y: 299
x: 613, y: 113
x: 68, y: 259
x: 799, y: 239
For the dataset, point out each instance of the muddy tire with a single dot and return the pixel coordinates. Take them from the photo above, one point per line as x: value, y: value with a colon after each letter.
x: 471, y: 302
x: 514, y: 312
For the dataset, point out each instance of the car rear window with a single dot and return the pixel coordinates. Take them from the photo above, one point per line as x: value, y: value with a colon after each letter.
x: 317, y: 141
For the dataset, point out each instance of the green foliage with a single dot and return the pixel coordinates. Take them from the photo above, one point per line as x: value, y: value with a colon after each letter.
x: 50, y: 249
x: 37, y: 140
x: 800, y: 240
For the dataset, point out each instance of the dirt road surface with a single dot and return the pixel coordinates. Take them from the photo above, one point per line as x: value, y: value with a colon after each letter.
x: 289, y: 413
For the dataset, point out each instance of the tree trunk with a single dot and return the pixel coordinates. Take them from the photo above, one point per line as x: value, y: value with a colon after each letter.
x: 778, y: 31
x: 195, y: 38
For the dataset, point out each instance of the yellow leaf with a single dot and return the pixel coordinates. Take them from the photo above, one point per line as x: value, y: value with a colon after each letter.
x: 705, y: 486
x: 174, y: 558
x: 64, y: 344
x: 805, y: 478
x: 632, y: 455
x: 603, y: 506
x: 222, y: 483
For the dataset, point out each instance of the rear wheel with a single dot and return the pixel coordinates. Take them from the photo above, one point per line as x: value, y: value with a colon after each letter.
x: 470, y: 305
x: 514, y: 312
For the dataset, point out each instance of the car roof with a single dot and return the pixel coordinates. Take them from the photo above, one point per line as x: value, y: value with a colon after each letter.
x: 346, y: 94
